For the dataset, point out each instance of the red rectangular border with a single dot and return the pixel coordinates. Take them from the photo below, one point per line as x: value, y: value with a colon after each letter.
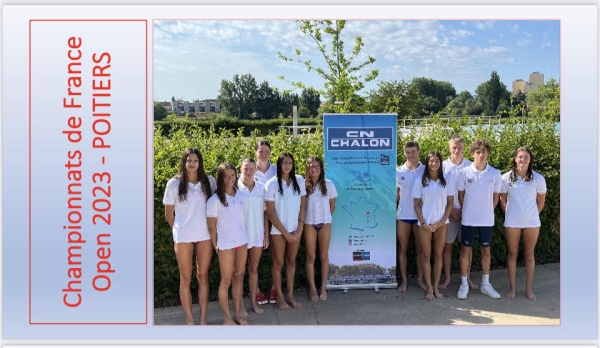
x: 29, y: 164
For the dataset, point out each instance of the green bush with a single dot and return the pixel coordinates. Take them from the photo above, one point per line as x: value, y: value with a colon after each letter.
x: 222, y: 122
x: 218, y: 144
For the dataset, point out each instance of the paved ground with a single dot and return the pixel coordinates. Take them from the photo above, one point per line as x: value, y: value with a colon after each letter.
x: 390, y: 307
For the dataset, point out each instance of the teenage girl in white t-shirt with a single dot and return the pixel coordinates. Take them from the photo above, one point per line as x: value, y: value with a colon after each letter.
x: 320, y: 197
x: 256, y: 224
x: 225, y: 212
x: 433, y: 194
x: 286, y: 207
x: 522, y: 199
x: 185, y: 211
x: 265, y: 169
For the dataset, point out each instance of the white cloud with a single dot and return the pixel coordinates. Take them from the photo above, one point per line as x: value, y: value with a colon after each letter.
x: 483, y: 25
x: 524, y: 42
x: 490, y: 50
x: 545, y: 44
x: 161, y: 47
x: 492, y: 41
x: 514, y: 29
x: 461, y: 33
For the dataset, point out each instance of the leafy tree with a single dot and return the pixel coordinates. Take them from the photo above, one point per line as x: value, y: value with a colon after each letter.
x: 266, y: 101
x: 173, y: 99
x: 160, y: 113
x: 286, y: 101
x: 237, y: 97
x: 435, y: 94
x: 462, y: 104
x: 491, y: 93
x: 399, y: 97
x: 311, y: 100
x: 518, y: 99
x: 543, y: 94
x: 303, y: 112
x: 341, y: 75
x: 545, y: 100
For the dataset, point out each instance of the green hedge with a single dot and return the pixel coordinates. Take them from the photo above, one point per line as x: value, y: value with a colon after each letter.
x: 221, y: 144
x: 263, y: 127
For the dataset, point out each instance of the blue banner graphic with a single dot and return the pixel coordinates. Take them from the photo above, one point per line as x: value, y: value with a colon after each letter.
x: 360, y: 157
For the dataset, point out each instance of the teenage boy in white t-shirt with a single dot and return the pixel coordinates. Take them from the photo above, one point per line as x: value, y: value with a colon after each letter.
x: 479, y: 186
x: 406, y: 216
x: 451, y: 167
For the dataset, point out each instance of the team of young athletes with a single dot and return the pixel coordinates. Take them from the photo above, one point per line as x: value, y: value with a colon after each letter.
x: 259, y: 205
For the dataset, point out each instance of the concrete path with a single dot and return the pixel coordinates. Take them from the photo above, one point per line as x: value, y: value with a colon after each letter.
x: 390, y: 307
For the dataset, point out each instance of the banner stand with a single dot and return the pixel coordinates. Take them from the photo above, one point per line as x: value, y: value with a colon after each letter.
x: 360, y: 158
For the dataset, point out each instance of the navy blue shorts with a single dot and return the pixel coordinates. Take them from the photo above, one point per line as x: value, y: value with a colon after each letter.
x: 409, y: 221
x: 467, y: 235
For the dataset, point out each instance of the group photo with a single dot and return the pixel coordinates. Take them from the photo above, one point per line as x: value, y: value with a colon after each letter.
x: 357, y: 184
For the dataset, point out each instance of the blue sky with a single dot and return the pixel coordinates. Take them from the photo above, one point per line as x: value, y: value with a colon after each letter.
x: 192, y: 57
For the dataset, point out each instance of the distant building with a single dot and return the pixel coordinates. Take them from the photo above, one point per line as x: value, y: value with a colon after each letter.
x: 183, y: 107
x: 535, y: 81
x: 167, y: 105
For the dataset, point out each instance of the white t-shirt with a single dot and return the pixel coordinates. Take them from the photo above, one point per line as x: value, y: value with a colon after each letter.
x: 521, y: 205
x: 264, y: 177
x: 189, y: 225
x: 254, y: 212
x: 287, y: 206
x: 318, y: 210
x: 434, y: 198
x: 230, y: 220
x: 450, y: 168
x: 479, y: 187
x: 405, y: 179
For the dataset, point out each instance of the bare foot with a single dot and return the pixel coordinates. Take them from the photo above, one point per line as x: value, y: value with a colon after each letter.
x: 293, y: 302
x: 531, y: 295
x: 446, y: 283
x: 257, y: 309
x: 188, y: 322
x: 282, y: 304
x: 228, y: 322
x: 429, y: 295
x: 323, y: 295
x: 240, y: 321
x: 243, y: 313
x: 203, y: 322
x: 313, y: 295
x: 510, y: 294
x: 402, y: 287
x: 472, y: 285
x: 422, y: 285
x: 437, y: 293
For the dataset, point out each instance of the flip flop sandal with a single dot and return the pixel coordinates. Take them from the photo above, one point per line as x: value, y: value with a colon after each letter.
x: 272, y: 296
x: 261, y: 299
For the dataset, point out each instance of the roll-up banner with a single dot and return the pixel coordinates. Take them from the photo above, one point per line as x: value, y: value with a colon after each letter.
x: 360, y: 157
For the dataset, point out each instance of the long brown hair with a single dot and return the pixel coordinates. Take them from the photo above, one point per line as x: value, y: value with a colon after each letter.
x: 425, y: 177
x: 513, y: 171
x: 183, y: 178
x: 221, y: 181
x: 292, y: 173
x: 310, y: 187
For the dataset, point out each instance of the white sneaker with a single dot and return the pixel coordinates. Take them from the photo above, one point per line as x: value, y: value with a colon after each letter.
x: 463, y: 292
x: 488, y: 289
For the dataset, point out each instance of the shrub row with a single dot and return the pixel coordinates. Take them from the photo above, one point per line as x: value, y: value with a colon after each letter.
x: 263, y: 127
x: 221, y: 144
